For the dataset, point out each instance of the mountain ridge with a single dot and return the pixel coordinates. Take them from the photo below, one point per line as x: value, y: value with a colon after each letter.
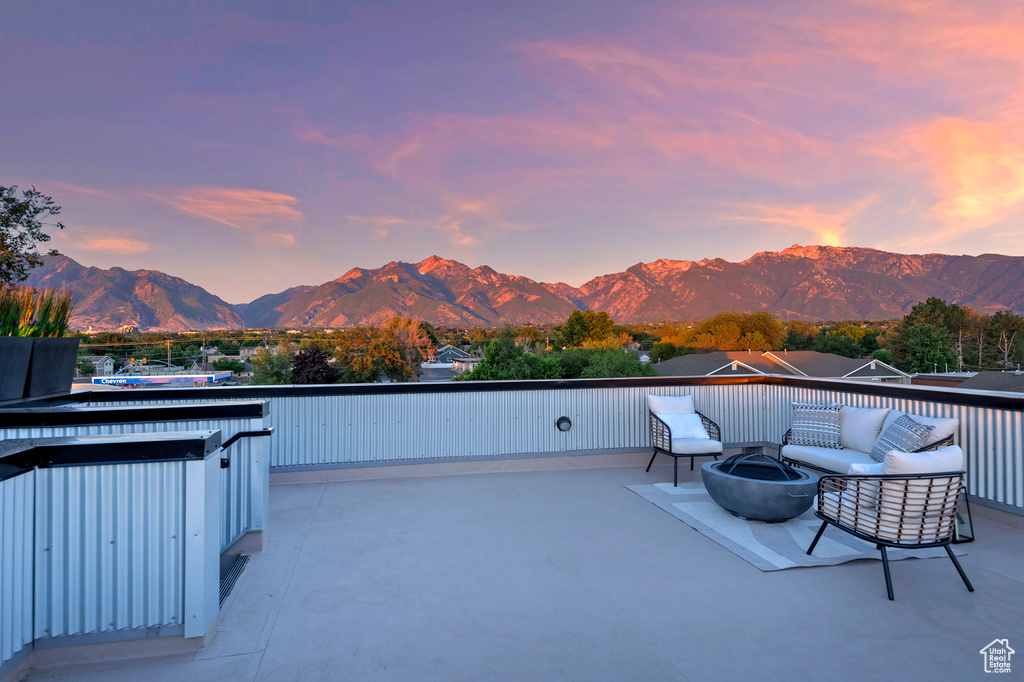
x: 802, y: 282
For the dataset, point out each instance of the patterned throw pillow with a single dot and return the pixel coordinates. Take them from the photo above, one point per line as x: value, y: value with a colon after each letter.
x: 816, y: 425
x: 904, y: 434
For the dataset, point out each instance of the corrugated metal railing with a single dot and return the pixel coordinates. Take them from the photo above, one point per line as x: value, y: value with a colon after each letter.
x: 240, y: 482
x: 367, y: 424
x: 110, y: 548
x: 17, y: 504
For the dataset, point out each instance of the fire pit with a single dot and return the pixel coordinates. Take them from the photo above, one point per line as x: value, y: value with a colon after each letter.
x: 758, y: 487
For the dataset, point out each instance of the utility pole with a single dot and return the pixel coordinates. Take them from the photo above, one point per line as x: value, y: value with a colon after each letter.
x: 168, y: 355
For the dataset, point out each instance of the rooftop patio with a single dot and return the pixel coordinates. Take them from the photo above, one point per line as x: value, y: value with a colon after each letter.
x: 565, y: 574
x: 453, y: 531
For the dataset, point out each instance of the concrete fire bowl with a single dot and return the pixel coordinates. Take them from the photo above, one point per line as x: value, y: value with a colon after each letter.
x: 760, y: 490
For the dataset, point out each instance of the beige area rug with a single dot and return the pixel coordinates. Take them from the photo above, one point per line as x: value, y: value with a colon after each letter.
x: 769, y: 546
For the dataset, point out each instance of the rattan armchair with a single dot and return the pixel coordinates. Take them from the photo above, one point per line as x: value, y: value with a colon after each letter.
x: 898, y: 510
x: 661, y: 440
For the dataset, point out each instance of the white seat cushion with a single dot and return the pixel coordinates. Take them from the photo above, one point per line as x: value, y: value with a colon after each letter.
x: 684, y: 425
x: 670, y: 404
x: 859, y: 427
x: 858, y: 469
x: 696, y: 446
x: 830, y: 459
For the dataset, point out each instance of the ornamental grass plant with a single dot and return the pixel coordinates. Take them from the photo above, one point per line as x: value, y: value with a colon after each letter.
x: 25, y: 311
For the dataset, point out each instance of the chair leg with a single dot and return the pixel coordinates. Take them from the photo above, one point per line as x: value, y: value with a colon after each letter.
x: 970, y: 587
x: 675, y: 472
x: 817, y: 537
x: 652, y: 460
x: 691, y: 463
x: 963, y: 521
x: 885, y: 565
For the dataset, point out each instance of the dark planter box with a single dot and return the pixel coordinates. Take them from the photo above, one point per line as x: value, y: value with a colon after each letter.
x: 53, y: 366
x: 15, y: 352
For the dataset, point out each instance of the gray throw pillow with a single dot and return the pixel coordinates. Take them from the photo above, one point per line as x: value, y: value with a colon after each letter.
x: 904, y: 434
x: 816, y: 425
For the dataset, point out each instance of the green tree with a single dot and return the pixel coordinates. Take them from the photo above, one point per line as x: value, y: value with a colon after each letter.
x: 573, y: 362
x: 21, y: 230
x: 926, y: 349
x: 365, y: 354
x: 312, y: 366
x: 882, y: 355
x: 869, y: 342
x: 543, y: 366
x: 228, y: 365
x: 617, y: 363
x: 839, y: 344
x: 1006, y: 330
x: 272, y: 366
x: 730, y: 330
x: 84, y: 364
x: 227, y: 348
x: 587, y: 325
x: 665, y: 350
x: 503, y: 359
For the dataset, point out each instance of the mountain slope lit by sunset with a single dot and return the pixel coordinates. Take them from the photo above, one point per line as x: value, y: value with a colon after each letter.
x: 251, y: 149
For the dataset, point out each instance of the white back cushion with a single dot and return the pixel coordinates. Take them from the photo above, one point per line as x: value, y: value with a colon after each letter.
x: 942, y: 427
x: 859, y: 427
x: 684, y: 425
x: 949, y: 458
x: 914, y: 508
x: 670, y: 404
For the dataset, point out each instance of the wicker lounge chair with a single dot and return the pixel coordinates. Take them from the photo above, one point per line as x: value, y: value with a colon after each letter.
x: 893, y: 510
x: 674, y: 431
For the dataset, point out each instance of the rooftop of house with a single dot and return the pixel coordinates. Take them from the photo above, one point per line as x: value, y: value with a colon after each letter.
x: 794, y: 363
x: 566, y: 574
x: 995, y: 381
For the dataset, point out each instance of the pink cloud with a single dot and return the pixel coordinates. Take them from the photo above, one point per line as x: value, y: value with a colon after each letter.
x: 236, y: 207
x: 827, y: 223
x: 120, y: 246
x: 976, y: 170
x: 274, y: 239
x: 378, y: 220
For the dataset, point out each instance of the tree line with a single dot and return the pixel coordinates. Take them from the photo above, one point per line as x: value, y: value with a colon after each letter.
x: 933, y: 336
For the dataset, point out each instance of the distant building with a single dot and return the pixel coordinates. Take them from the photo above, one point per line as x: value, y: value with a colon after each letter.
x: 446, y: 354
x: 435, y: 373
x: 463, y: 365
x: 801, y: 363
x: 995, y: 381
x: 104, y: 366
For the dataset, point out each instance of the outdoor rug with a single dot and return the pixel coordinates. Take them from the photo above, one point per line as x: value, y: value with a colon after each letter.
x: 769, y: 546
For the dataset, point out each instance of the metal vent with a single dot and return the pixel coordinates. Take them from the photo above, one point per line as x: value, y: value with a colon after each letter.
x: 228, y: 581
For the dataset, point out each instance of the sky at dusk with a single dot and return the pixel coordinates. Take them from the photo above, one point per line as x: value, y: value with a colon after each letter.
x: 250, y: 147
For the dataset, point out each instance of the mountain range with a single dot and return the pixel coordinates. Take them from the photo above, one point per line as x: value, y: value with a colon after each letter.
x: 811, y: 283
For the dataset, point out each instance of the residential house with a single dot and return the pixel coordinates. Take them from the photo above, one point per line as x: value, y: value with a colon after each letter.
x: 801, y: 363
x: 446, y: 354
x: 995, y: 381
x: 463, y: 365
x: 103, y: 364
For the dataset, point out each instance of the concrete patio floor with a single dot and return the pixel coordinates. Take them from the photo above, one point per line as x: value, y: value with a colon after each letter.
x: 567, y: 575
